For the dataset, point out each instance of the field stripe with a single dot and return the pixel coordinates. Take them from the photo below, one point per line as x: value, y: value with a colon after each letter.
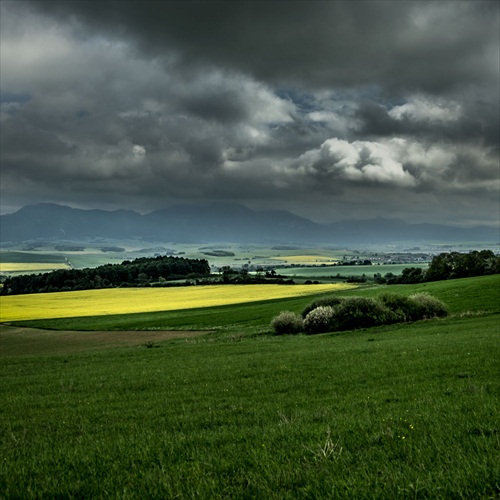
x: 6, y: 267
x: 135, y: 300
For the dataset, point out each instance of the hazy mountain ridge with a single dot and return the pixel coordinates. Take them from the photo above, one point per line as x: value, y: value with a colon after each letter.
x: 219, y: 222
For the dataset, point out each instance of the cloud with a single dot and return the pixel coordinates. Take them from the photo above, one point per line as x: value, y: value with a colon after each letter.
x: 358, y: 162
x: 399, y: 163
x: 425, y: 45
x: 358, y: 105
x: 423, y: 109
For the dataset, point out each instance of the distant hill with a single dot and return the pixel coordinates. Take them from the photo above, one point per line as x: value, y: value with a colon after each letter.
x: 227, y: 222
x: 382, y: 230
x: 219, y: 222
x: 50, y: 221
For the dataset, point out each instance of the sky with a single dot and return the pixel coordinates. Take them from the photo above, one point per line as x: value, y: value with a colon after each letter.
x: 332, y: 110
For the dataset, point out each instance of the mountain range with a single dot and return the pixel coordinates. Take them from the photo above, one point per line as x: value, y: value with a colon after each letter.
x: 220, y: 222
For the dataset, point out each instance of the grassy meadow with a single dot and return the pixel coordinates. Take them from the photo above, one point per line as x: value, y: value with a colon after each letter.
x: 399, y: 411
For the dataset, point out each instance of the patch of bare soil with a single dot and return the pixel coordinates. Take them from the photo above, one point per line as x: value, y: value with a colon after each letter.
x: 16, y: 341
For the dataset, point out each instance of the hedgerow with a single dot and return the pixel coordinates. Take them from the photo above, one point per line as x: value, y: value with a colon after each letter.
x: 334, y: 313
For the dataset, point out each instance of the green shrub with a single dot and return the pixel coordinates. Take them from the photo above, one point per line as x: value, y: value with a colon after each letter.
x: 361, y: 312
x: 426, y: 306
x: 330, y: 301
x: 287, y: 322
x: 403, y: 308
x: 334, y: 313
x: 319, y: 320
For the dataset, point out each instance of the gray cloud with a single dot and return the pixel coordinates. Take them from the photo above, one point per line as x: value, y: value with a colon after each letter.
x: 327, y: 109
x: 424, y: 45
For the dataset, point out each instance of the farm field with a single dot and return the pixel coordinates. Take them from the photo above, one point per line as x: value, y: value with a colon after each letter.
x: 13, y: 263
x: 30, y: 258
x: 238, y: 255
x: 332, y: 271
x: 18, y: 267
x: 399, y: 411
x: 316, y: 260
x: 464, y: 296
x: 135, y: 300
x: 257, y: 255
x: 26, y: 262
x: 314, y: 263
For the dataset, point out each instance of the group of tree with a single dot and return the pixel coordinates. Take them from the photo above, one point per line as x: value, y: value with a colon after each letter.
x: 143, y: 271
x: 446, y: 266
x: 228, y: 275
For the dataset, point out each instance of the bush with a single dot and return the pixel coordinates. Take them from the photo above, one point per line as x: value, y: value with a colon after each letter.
x: 331, y: 301
x: 361, y: 312
x: 319, y: 320
x: 333, y: 313
x: 403, y: 308
x: 287, y: 322
x: 426, y: 306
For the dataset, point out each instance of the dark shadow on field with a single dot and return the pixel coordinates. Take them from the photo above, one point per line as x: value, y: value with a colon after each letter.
x: 20, y: 341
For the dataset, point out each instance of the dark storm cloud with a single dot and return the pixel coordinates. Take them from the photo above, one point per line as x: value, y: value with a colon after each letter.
x: 224, y: 106
x: 458, y: 119
x: 413, y: 45
x: 329, y: 109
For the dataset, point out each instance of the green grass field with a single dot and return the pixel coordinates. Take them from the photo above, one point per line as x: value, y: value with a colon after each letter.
x: 400, y: 411
x: 332, y: 271
x: 30, y: 257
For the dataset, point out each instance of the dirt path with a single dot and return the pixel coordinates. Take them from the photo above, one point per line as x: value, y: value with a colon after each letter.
x: 16, y: 341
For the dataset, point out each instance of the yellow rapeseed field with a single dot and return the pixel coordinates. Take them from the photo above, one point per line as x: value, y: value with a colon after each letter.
x: 134, y: 300
x: 307, y: 259
x: 9, y: 267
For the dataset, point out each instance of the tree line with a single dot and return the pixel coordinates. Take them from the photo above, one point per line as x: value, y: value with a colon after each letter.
x: 449, y: 265
x: 140, y: 272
